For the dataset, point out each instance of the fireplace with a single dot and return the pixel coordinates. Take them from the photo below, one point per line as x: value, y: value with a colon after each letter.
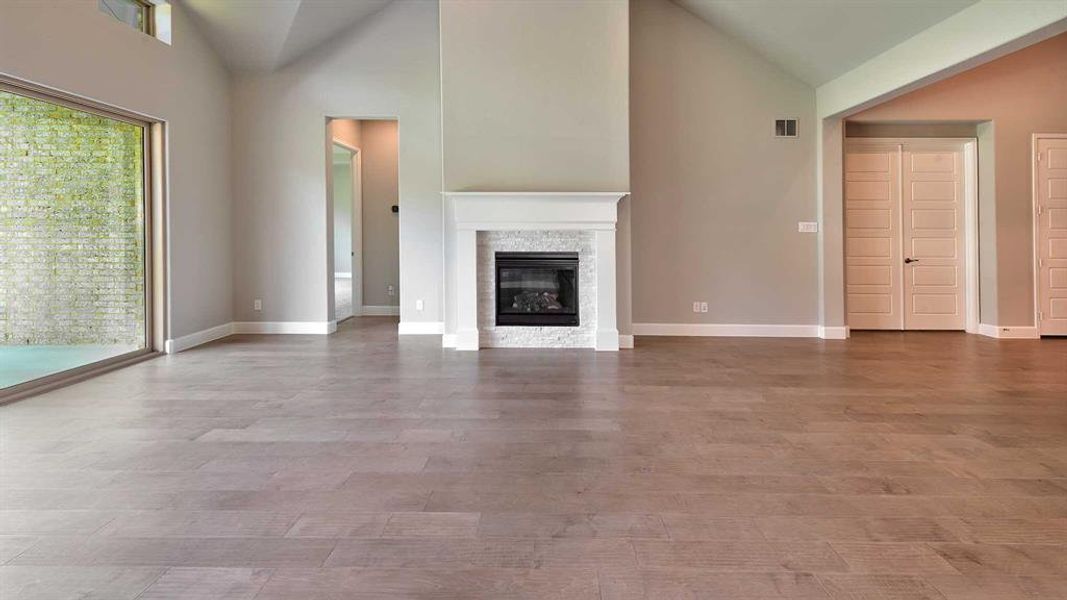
x: 537, y: 288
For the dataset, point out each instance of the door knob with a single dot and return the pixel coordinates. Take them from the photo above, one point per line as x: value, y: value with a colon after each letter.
x: 908, y: 261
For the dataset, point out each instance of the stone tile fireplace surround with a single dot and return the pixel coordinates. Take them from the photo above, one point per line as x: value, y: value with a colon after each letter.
x: 488, y: 222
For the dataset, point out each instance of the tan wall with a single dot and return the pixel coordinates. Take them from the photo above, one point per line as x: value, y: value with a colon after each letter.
x: 535, y: 99
x: 535, y: 95
x: 716, y: 199
x: 381, y: 235
x: 1021, y: 94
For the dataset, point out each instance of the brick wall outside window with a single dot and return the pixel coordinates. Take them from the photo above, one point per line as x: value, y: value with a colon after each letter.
x: 71, y: 226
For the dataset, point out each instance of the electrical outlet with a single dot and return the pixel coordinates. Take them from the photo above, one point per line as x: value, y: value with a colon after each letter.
x: 808, y: 227
x: 696, y: 307
x: 419, y: 305
x: 703, y: 307
x: 390, y: 289
x: 257, y: 304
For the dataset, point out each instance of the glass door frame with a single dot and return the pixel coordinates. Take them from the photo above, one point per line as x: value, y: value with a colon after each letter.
x: 154, y: 232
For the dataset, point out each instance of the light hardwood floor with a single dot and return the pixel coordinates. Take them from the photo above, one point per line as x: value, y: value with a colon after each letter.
x: 915, y: 465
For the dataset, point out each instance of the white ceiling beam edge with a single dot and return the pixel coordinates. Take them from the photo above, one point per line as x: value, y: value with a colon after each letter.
x: 973, y: 36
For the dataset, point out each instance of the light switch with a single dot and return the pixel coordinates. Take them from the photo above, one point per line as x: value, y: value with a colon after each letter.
x: 808, y: 227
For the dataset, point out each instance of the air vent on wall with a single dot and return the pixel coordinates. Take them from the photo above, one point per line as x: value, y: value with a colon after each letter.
x: 785, y: 128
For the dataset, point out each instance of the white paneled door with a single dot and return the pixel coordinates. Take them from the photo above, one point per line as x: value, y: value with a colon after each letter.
x: 872, y: 236
x: 1050, y: 185
x: 905, y: 235
x: 932, y: 228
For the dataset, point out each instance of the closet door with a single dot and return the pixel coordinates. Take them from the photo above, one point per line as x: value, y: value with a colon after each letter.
x: 933, y: 232
x: 1052, y: 235
x: 872, y: 236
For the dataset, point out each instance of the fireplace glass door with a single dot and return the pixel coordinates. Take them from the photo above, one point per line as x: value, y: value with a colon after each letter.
x: 537, y: 288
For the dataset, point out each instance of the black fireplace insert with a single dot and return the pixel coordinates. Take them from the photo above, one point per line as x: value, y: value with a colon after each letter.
x: 537, y: 288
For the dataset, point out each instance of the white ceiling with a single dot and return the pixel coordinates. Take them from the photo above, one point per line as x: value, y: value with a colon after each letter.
x: 818, y: 40
x: 262, y: 35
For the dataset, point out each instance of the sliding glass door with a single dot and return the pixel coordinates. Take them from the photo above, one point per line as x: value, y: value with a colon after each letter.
x: 73, y: 238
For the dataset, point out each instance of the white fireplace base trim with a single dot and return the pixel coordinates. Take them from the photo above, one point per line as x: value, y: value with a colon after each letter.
x: 594, y: 214
x: 626, y: 341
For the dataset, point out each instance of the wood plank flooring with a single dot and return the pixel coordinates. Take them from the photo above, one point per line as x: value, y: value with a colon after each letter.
x: 918, y: 465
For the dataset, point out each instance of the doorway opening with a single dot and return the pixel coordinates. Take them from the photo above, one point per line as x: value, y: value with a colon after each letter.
x: 363, y: 191
x: 911, y: 234
x: 347, y: 206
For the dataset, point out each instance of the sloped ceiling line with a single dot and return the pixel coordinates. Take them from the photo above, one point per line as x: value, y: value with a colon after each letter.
x: 819, y: 40
x: 261, y: 35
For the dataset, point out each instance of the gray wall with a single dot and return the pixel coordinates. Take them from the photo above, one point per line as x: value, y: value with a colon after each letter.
x: 381, y: 234
x: 535, y: 95
x: 536, y: 99
x: 716, y: 199
x: 386, y: 67
x: 185, y: 85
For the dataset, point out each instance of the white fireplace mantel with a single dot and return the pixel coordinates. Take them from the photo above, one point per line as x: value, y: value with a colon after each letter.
x: 533, y: 211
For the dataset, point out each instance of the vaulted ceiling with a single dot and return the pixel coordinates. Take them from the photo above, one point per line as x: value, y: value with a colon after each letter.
x: 816, y: 40
x: 261, y: 35
x: 819, y: 40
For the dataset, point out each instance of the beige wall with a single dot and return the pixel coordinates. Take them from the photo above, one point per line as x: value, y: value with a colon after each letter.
x: 386, y: 67
x: 73, y: 47
x: 535, y: 99
x: 1021, y: 94
x: 535, y: 95
x: 381, y: 234
x: 716, y: 199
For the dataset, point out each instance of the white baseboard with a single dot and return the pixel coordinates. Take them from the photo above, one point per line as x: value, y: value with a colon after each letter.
x: 185, y: 342
x: 834, y: 333
x: 421, y: 328
x: 1009, y: 333
x: 286, y: 327
x: 606, y: 340
x: 626, y: 342
x: 726, y: 330
x: 380, y: 311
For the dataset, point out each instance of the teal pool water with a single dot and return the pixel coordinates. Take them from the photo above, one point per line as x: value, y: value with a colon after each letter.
x: 19, y: 364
